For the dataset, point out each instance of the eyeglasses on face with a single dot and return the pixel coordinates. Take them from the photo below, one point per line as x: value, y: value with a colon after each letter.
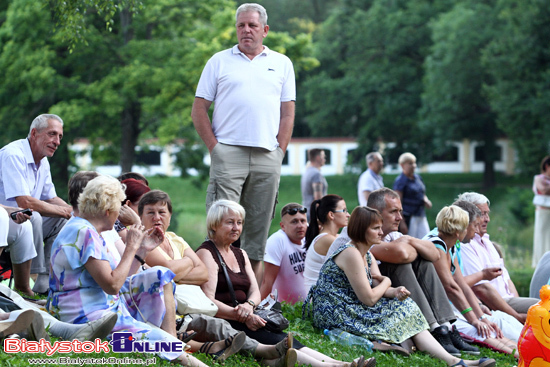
x: 293, y: 211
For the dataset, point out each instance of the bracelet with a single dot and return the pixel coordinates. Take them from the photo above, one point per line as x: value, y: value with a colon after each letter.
x: 465, y: 311
x: 251, y: 303
x: 138, y: 258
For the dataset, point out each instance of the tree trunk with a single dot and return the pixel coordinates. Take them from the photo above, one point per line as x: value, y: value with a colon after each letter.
x: 129, y: 121
x: 129, y: 125
x: 490, y: 156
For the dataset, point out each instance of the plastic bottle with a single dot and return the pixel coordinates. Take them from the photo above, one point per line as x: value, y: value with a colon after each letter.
x: 343, y: 337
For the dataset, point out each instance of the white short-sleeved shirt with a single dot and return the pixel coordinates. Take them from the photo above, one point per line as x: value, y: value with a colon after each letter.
x: 20, y: 176
x: 247, y: 95
x: 290, y: 258
x: 368, y: 181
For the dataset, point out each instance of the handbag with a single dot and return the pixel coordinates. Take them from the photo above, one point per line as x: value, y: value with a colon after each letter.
x: 191, y: 299
x: 275, y: 321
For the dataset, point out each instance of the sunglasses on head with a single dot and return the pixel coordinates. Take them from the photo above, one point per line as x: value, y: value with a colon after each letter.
x: 293, y: 211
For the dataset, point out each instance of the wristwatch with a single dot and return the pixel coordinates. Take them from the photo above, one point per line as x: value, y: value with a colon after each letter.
x: 251, y: 303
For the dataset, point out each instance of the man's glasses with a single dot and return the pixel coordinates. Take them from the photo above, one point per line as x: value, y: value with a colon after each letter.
x: 293, y: 211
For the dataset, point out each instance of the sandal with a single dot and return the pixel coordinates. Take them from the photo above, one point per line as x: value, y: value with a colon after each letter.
x: 288, y: 360
x: 185, y: 336
x: 284, y: 345
x: 385, y: 347
x: 486, y: 362
x: 23, y: 320
x: 36, y: 330
x: 232, y: 345
x: 360, y: 362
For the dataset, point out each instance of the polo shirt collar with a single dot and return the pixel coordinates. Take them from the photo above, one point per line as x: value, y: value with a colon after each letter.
x: 235, y: 50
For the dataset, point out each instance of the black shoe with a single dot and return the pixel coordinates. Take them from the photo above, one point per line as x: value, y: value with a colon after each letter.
x: 460, y: 344
x: 443, y: 336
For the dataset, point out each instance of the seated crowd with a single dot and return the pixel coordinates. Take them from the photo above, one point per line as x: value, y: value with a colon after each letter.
x: 116, y: 267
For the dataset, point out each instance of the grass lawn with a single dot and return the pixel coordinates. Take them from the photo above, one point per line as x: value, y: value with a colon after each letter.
x: 511, y: 226
x: 303, y: 330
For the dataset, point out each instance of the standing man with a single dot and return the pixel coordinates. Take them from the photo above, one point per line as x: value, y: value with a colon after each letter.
x: 314, y: 185
x: 255, y: 91
x: 370, y: 180
x: 285, y: 256
x: 26, y: 182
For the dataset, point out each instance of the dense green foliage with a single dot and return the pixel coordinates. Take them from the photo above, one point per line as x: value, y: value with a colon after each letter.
x: 419, y: 73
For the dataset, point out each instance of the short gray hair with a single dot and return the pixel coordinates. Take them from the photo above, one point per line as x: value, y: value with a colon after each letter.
x: 377, y: 198
x: 101, y: 194
x: 472, y: 210
x: 372, y: 156
x: 474, y: 198
x: 41, y: 122
x: 246, y: 7
x: 218, y: 211
x: 406, y: 157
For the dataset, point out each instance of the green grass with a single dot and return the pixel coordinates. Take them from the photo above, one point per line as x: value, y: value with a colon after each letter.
x: 511, y: 226
x: 302, y: 329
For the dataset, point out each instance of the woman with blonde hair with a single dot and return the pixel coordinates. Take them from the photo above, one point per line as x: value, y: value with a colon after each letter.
x: 454, y: 227
x: 89, y: 278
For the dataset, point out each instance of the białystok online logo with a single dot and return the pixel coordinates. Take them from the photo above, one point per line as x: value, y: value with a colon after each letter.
x: 122, y: 342
x: 126, y: 343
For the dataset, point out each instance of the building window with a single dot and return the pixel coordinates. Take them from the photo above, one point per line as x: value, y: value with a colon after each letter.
x: 148, y: 158
x: 450, y: 154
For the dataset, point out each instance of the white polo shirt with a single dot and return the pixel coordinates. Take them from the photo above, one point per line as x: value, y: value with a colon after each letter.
x: 20, y: 176
x: 247, y: 95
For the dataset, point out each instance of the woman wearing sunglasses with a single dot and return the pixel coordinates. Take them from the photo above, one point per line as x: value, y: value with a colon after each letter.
x: 328, y: 215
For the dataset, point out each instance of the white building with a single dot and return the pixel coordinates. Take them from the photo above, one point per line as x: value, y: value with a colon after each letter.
x: 161, y: 160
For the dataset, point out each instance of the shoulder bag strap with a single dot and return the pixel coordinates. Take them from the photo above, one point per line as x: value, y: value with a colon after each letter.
x: 229, y: 283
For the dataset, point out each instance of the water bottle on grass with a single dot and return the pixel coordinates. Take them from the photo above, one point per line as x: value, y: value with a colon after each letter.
x: 343, y: 337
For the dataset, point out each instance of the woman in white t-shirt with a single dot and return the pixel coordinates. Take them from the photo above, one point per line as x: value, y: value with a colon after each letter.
x: 328, y: 215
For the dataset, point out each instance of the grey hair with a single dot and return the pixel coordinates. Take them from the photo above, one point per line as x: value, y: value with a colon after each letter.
x: 371, y: 157
x: 474, y: 198
x: 377, y: 198
x: 41, y: 122
x: 218, y: 210
x: 406, y: 157
x: 246, y: 7
x: 472, y: 210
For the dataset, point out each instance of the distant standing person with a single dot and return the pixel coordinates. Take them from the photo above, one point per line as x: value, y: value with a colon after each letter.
x: 314, y: 184
x: 370, y: 180
x: 255, y: 91
x: 541, y: 188
x: 412, y: 191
